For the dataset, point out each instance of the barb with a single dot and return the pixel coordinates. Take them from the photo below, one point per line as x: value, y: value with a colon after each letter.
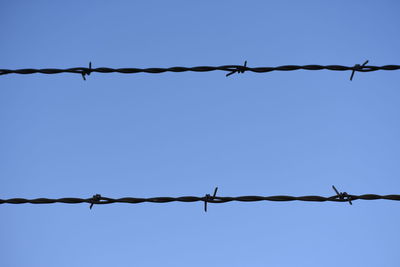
x: 231, y: 69
x: 342, y: 195
x: 357, y: 67
x: 87, y: 71
x: 209, y: 198
x: 98, y: 199
x: 238, y: 69
x: 95, y: 200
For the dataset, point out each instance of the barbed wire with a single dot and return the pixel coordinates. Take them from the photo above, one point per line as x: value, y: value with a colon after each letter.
x: 99, y: 200
x: 231, y: 69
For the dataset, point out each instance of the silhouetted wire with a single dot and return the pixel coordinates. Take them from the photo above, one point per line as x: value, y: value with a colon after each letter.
x: 98, y: 199
x: 231, y: 69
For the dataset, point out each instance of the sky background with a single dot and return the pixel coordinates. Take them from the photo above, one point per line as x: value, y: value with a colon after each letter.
x: 176, y: 134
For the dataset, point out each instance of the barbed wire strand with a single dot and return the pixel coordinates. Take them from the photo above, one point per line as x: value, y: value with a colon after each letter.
x: 98, y: 199
x: 231, y: 69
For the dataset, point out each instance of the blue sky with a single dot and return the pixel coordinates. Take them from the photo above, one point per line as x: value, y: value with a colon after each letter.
x: 175, y: 134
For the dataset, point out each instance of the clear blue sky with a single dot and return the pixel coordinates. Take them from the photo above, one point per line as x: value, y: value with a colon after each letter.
x: 145, y: 135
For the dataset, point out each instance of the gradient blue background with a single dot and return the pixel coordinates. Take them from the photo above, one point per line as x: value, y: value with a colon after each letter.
x: 176, y: 134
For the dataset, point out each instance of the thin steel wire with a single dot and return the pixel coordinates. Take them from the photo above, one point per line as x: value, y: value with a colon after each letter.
x: 231, y: 69
x: 98, y: 199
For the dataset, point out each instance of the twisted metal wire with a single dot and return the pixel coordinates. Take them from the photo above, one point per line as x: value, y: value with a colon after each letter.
x: 216, y: 199
x: 231, y: 69
x: 98, y: 199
